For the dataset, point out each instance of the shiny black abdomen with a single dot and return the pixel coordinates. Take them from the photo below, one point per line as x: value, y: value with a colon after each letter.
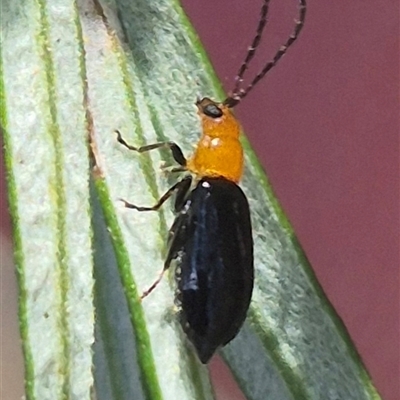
x: 212, y: 241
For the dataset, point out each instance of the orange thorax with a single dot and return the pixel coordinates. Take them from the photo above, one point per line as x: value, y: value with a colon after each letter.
x: 219, y: 151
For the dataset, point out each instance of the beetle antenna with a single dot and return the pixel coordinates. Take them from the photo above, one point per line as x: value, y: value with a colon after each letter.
x: 253, y: 47
x: 239, y: 94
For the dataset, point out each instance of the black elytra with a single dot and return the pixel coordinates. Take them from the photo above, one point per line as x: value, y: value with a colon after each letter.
x: 211, y: 240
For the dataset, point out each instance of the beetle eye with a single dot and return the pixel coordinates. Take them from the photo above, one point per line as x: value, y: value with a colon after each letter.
x: 211, y: 110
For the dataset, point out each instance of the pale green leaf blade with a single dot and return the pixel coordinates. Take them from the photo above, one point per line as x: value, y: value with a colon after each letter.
x: 44, y: 128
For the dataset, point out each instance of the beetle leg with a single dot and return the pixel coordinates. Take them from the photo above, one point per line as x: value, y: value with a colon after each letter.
x: 153, y: 286
x: 176, y: 233
x: 167, y: 264
x: 160, y: 202
x: 171, y: 170
x: 175, y: 149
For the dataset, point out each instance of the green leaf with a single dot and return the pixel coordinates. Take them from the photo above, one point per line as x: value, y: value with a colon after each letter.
x: 73, y: 74
x: 44, y: 128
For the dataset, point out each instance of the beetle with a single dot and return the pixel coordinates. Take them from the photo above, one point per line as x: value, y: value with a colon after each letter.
x: 211, y: 237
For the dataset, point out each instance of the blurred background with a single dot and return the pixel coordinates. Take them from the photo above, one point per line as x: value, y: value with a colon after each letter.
x: 325, y: 126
